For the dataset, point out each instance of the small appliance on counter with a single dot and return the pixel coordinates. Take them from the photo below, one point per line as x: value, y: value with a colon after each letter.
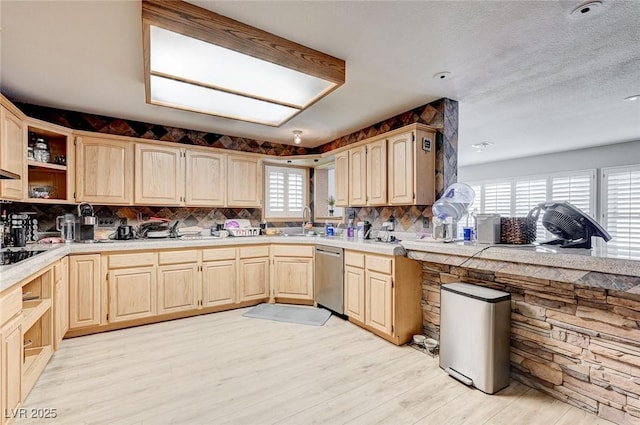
x: 66, y: 225
x: 488, y: 228
x: 572, y: 227
x: 449, y: 209
x: 86, y: 223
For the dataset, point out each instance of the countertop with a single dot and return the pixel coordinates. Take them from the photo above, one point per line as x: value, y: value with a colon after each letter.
x: 12, y: 274
x: 595, y: 261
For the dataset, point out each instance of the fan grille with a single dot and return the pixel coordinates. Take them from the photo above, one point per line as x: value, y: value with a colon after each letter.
x: 562, y: 224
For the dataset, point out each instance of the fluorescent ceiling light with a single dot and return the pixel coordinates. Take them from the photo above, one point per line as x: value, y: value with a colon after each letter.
x: 204, y: 62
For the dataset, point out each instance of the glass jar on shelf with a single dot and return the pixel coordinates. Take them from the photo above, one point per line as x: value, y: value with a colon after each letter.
x: 41, y: 151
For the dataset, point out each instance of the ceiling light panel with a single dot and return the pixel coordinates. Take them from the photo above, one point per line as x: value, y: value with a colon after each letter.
x: 205, y: 62
x: 177, y: 94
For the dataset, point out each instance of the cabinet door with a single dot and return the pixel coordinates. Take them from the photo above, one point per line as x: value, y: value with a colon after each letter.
x: 206, y: 179
x: 342, y: 179
x: 11, y: 368
x: 61, y: 301
x: 84, y: 290
x: 401, y: 170
x: 218, y: 283
x: 358, y: 176
x: 377, y: 173
x: 293, y: 278
x: 132, y: 293
x: 379, y: 302
x: 244, y: 182
x: 159, y: 175
x: 177, y: 288
x: 104, y: 171
x: 12, y: 154
x: 254, y: 278
x: 354, y: 293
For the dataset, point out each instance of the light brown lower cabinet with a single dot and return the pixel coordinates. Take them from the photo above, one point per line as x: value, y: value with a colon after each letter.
x: 292, y: 272
x: 10, y: 369
x: 60, y: 301
x: 85, y: 296
x: 253, y: 273
x: 132, y: 293
x: 382, y: 294
x: 219, y: 277
x: 177, y: 287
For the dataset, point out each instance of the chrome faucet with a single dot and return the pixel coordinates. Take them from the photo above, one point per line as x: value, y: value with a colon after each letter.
x: 306, y: 208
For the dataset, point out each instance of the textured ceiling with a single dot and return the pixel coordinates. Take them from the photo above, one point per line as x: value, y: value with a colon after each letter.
x: 529, y: 78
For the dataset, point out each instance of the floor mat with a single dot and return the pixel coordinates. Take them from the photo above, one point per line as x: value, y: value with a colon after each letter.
x: 289, y: 313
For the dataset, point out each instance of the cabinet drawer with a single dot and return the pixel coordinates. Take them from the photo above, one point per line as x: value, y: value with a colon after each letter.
x: 176, y: 257
x: 131, y: 260
x: 254, y: 251
x: 218, y: 254
x: 355, y: 259
x: 292, y: 251
x: 379, y: 264
x: 10, y: 304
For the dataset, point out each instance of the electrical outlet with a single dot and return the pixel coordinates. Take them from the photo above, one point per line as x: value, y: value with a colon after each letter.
x: 108, y: 221
x: 426, y: 222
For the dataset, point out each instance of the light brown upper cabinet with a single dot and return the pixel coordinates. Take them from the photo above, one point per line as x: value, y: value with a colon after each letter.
x: 104, y: 172
x: 206, y: 178
x: 342, y: 179
x: 12, y: 154
x: 411, y: 157
x: 358, y: 176
x: 377, y: 172
x: 244, y: 181
x: 159, y: 175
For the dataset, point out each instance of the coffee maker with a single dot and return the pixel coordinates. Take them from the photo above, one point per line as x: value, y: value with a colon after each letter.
x: 86, y: 223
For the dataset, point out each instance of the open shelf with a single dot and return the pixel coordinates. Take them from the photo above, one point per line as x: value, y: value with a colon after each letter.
x: 32, y: 311
x: 35, y: 360
x: 50, y: 182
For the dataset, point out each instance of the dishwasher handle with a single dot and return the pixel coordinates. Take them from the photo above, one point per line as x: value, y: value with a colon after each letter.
x: 323, y: 252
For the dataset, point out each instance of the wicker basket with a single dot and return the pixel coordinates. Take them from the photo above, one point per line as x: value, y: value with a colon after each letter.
x: 519, y: 230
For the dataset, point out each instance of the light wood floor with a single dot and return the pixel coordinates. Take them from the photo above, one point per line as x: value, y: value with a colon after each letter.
x: 227, y: 369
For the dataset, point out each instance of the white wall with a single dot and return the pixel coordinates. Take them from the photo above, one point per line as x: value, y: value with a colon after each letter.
x: 597, y: 157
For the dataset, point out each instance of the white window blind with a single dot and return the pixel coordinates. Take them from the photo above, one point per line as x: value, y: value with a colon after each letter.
x: 621, y: 210
x: 575, y: 188
x: 528, y: 195
x: 285, y: 192
x: 515, y: 197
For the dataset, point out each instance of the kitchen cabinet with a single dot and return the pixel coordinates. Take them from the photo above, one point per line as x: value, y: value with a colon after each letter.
x: 37, y: 326
x: 60, y: 301
x: 178, y: 281
x: 84, y: 291
x: 382, y: 294
x: 104, y: 171
x: 12, y: 154
x: 132, y: 286
x: 219, y: 277
x: 51, y: 181
x: 253, y: 273
x: 411, y: 169
x: 244, y: 181
x: 205, y: 179
x: 354, y: 293
x: 358, y: 176
x: 11, y: 357
x: 292, y: 272
x: 376, y: 180
x: 342, y: 179
x: 159, y: 175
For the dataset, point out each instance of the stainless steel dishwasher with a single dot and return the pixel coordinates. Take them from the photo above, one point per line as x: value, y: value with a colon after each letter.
x: 329, y: 275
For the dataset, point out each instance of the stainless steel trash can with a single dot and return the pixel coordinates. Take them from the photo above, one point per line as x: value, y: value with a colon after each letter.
x: 474, y: 335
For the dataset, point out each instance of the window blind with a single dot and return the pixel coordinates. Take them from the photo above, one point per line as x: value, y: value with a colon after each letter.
x: 285, y: 192
x: 621, y: 210
x: 576, y: 189
x: 528, y: 195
